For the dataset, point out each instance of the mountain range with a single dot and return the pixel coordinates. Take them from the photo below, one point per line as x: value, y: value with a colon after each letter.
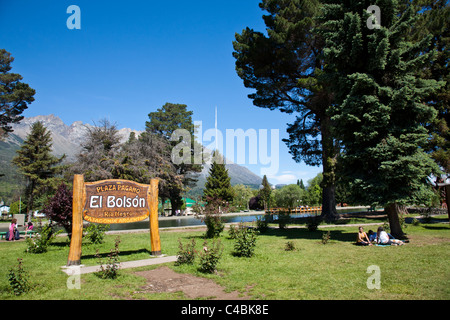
x: 67, y: 140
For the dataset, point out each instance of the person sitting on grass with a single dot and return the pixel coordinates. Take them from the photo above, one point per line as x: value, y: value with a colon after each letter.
x: 372, y: 235
x: 362, y: 239
x: 383, y: 238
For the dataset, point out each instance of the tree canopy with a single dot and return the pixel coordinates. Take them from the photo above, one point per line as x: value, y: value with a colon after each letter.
x: 163, y: 123
x: 218, y: 184
x: 36, y: 162
x: 378, y: 102
x: 284, y: 68
x: 14, y: 94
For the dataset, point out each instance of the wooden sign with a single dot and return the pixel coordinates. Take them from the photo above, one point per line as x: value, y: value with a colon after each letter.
x: 116, y: 201
x: 112, y: 201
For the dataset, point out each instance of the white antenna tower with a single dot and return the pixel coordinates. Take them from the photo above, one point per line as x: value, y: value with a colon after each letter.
x: 215, y: 126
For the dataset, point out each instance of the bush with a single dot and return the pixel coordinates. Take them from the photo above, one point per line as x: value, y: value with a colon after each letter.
x: 232, y: 231
x: 245, y: 242
x: 211, y: 215
x: 214, y: 225
x: 325, y: 237
x: 290, y: 246
x: 40, y: 243
x: 18, y: 279
x: 283, y: 219
x: 186, y: 254
x: 59, y: 208
x: 262, y: 223
x: 210, y: 256
x: 312, y: 223
x: 111, y: 270
x: 96, y: 232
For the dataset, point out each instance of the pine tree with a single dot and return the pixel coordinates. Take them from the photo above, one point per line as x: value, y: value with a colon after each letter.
x: 14, y: 94
x: 37, y: 164
x: 218, y: 184
x: 265, y: 192
x: 433, y: 20
x: 378, y: 108
x: 163, y: 123
x: 284, y: 68
x: 302, y: 185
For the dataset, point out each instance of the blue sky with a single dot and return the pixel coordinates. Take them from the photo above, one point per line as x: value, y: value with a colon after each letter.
x: 130, y: 58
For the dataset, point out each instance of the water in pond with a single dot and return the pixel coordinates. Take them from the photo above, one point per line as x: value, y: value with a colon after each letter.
x: 171, y: 222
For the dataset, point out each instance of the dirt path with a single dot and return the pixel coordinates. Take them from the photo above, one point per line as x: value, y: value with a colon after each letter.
x: 164, y: 279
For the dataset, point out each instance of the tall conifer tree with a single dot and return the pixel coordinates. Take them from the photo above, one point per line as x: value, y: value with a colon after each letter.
x: 37, y: 164
x: 284, y: 68
x: 14, y: 94
x: 379, y: 111
x: 265, y: 192
x: 218, y: 184
x: 164, y: 122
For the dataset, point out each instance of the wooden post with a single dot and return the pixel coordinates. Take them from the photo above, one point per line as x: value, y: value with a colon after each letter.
x: 446, y: 187
x: 154, y: 225
x: 447, y: 199
x: 77, y: 221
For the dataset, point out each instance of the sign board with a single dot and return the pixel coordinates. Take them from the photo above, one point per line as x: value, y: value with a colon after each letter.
x: 112, y: 201
x: 116, y: 201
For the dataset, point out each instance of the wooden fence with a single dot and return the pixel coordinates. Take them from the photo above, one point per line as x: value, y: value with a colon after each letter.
x: 295, y: 210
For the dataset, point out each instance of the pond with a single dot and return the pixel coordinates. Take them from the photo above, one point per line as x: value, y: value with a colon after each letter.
x: 186, y: 221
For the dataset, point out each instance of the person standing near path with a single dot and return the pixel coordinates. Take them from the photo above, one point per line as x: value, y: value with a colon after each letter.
x: 12, y: 230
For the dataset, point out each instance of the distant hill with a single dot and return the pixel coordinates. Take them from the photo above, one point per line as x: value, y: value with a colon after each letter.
x: 237, y: 173
x: 67, y: 140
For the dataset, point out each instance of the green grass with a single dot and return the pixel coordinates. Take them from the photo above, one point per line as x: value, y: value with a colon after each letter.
x: 337, y: 270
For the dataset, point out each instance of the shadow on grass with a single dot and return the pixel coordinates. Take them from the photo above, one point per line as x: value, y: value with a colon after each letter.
x: 436, y: 227
x: 302, y: 233
x: 121, y: 253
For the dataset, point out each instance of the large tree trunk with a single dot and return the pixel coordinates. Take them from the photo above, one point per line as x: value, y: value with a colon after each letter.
x: 329, y: 212
x: 393, y: 210
x: 329, y: 158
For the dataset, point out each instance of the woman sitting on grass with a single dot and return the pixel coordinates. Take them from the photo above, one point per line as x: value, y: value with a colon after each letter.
x: 383, y: 238
x: 363, y: 239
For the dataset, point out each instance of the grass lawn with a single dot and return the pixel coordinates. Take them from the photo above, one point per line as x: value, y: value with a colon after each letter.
x: 336, y: 270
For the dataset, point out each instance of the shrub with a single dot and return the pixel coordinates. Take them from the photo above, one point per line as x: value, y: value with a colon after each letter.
x: 59, y: 208
x: 211, y: 215
x: 18, y: 279
x: 283, y: 219
x: 262, y: 223
x: 313, y: 222
x: 96, y: 232
x: 210, y: 256
x: 214, y: 225
x: 40, y: 243
x: 290, y: 246
x: 111, y: 270
x: 186, y: 254
x: 245, y: 242
x: 325, y: 237
x: 232, y: 231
